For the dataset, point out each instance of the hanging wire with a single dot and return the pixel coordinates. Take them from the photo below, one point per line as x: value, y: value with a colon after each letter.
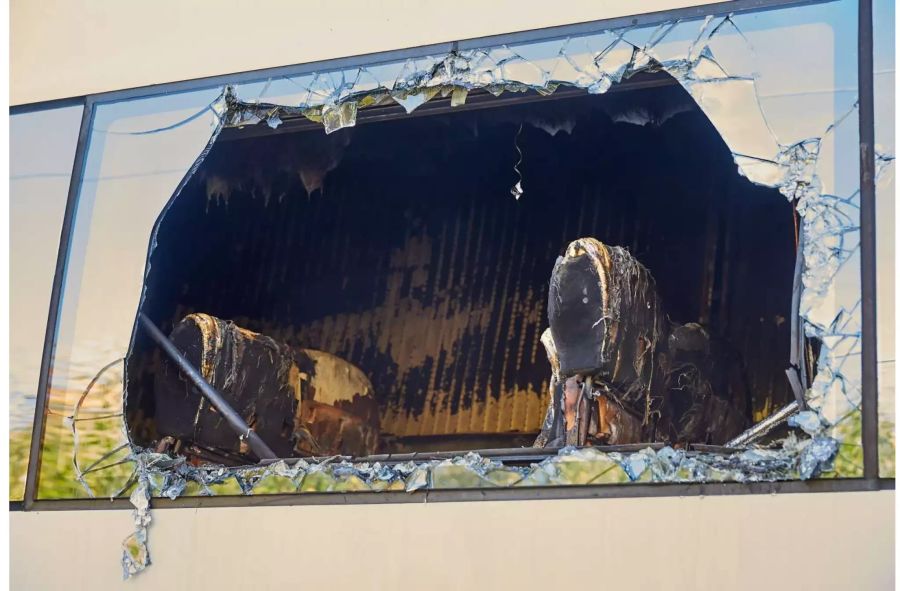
x: 517, y: 190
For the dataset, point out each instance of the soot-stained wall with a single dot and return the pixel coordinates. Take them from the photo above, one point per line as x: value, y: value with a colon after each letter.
x: 414, y: 262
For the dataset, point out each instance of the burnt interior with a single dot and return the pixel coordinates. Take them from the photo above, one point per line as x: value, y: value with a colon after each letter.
x: 397, y: 246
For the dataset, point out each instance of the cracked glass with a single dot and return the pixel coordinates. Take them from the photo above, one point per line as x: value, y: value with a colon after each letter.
x: 137, y: 154
x: 780, y: 88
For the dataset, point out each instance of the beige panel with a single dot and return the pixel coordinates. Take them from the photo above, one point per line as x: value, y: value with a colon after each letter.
x: 795, y: 541
x: 63, y: 48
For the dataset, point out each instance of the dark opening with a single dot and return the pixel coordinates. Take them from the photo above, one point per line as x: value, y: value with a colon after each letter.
x: 397, y: 247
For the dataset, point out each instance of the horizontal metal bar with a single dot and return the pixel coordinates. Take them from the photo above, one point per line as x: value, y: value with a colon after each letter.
x: 632, y: 490
x: 441, y: 106
x: 234, y: 420
x: 502, y: 454
x: 78, y: 101
x: 637, y: 20
x: 560, y: 31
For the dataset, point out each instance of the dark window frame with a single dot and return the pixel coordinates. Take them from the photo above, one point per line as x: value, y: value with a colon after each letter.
x: 870, y: 479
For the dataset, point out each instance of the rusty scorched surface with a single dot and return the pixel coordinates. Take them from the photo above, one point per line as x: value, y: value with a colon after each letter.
x: 300, y: 402
x: 622, y: 373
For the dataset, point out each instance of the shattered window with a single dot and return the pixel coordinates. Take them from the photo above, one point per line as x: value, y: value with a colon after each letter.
x: 884, y: 193
x: 628, y: 256
x: 138, y: 152
x: 440, y: 316
x: 42, y: 148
